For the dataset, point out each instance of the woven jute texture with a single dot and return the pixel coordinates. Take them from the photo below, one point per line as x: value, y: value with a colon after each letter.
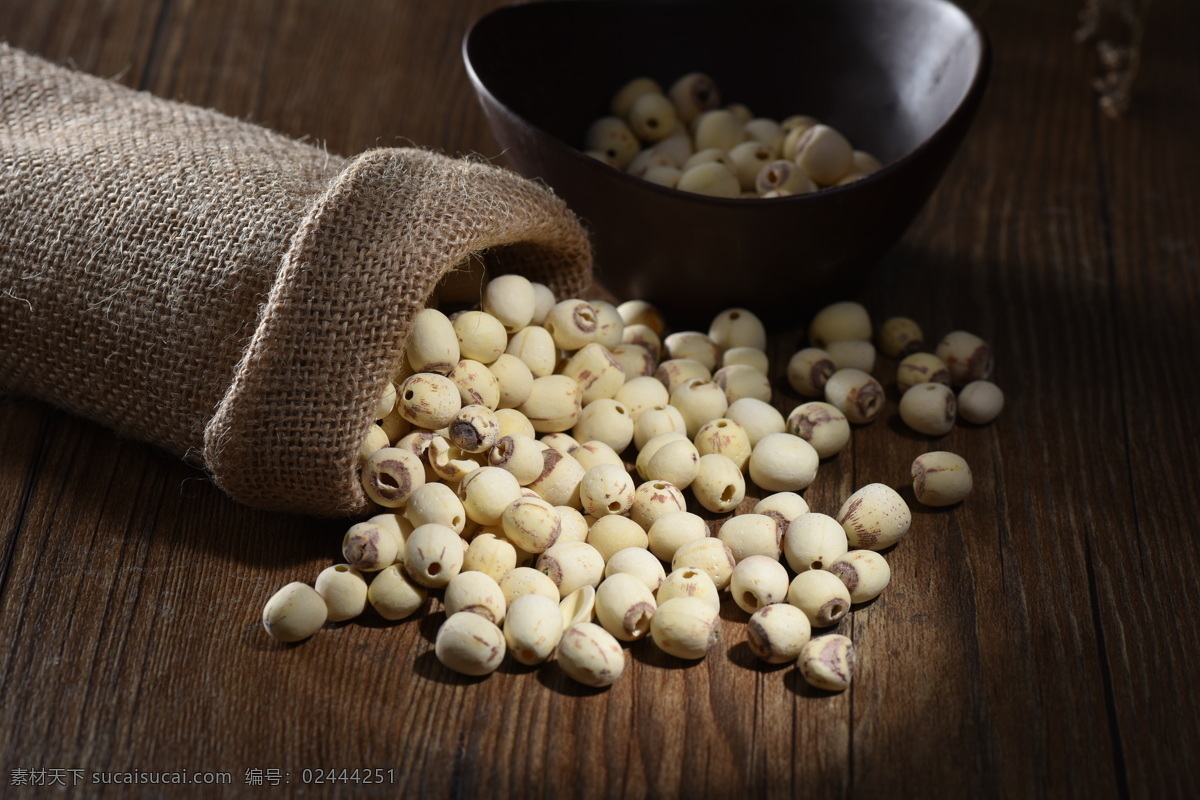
x: 236, y: 297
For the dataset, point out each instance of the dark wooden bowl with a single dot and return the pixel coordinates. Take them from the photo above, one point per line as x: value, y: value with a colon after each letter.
x: 900, y: 78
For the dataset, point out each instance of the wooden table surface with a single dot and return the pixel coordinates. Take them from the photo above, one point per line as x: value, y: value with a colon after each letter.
x: 1037, y: 641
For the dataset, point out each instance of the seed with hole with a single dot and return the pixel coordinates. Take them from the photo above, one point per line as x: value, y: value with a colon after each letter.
x: 827, y: 662
x: 856, y: 394
x: 719, y: 485
x: 371, y: 545
x: 968, y: 357
x: 821, y: 595
x: 693, y: 94
x: 653, y: 499
x: 433, y: 554
x: 899, y: 337
x: 822, y: 425
x: 709, y: 555
x: 605, y: 420
x: 865, y: 573
x: 625, y: 606
x: 758, y: 581
x: 652, y: 117
x: 813, y: 541
x: 436, y: 502
x: 344, y: 590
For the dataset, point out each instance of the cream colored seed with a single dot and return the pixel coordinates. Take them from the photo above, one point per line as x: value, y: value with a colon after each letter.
x: 532, y: 629
x: 490, y: 555
x: 376, y: 439
x: 514, y: 380
x: 579, y: 606
x: 719, y: 485
x: 717, y: 129
x: 640, y: 312
x: 921, y: 368
x: 677, y: 462
x: 695, y: 346
x: 783, y: 507
x: 571, y: 565
x: 739, y: 380
x: 778, y: 632
x: 686, y: 627
x: 852, y: 354
x: 711, y: 155
x: 750, y: 535
x: 651, y: 447
x: 646, y: 337
x: 758, y: 418
x: 531, y: 524
x: 543, y: 301
x: 856, y: 394
x: 487, y: 493
x: 699, y: 401
x: 966, y: 356
x: 613, y: 533
x: 562, y: 442
x: 710, y: 555
x: 865, y: 573
x: 469, y: 644
x: 929, y: 408
x: 394, y: 595
x: 749, y: 356
x: 827, y: 662
x: 432, y: 343
x: 642, y: 392
x: 606, y: 489
x: 874, y: 517
x: 638, y: 562
x: 477, y: 593
x: 386, y: 402
x: 710, y: 179
x: 511, y: 300
x: 574, y: 526
x: 535, y: 346
x: 394, y: 426
x: 941, y: 478
x: 821, y: 596
x: 605, y: 420
x: 623, y: 99
x: 636, y: 361
x: 391, y: 475
x: 864, y: 163
x: 899, y: 337
x: 433, y: 554
x: 726, y: 437
x: 653, y: 499
x: 742, y: 112
x: 591, y: 655
x: 436, y: 502
x: 781, y: 462
x: 559, y: 482
x: 693, y: 94
x: 474, y: 429
x: 344, y: 590
x: 554, y: 404
x: 794, y: 127
x: 625, y: 606
x: 980, y: 402
x: 677, y: 146
x: 749, y: 159
x: 813, y: 541
x: 838, y: 322
x: 674, y: 371
x: 429, y: 401
x: 612, y: 136
x: 822, y: 425
x: 649, y: 159
x: 449, y: 462
x: 652, y: 117
x: 598, y: 374
x: 657, y: 421
x: 294, y: 613
x: 673, y: 530
x: 783, y: 176
x: 572, y: 324
x: 477, y: 385
x: 824, y: 154
x: 593, y: 453
x: 481, y: 337
x: 808, y: 371
x: 519, y: 455
x: 767, y: 131
x: 521, y: 581
x: 758, y: 581
x: 690, y: 582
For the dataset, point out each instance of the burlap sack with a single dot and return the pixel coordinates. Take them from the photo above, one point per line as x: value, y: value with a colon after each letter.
x: 236, y: 297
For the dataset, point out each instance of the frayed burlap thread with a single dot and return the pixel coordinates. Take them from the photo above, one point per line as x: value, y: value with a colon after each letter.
x: 236, y: 297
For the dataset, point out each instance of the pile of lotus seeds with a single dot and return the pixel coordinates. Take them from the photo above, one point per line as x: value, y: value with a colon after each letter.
x: 499, y: 461
x: 684, y: 140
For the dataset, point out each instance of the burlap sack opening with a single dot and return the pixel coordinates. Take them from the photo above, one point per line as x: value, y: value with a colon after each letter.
x: 234, y: 296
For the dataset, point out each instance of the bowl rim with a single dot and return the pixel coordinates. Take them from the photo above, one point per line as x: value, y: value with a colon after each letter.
x: 970, y: 99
